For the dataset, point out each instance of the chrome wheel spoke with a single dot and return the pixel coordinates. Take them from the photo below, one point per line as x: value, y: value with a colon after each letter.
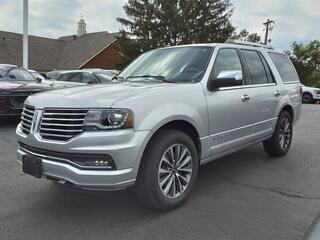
x: 164, y: 171
x: 175, y: 170
x: 165, y: 160
x: 185, y: 161
x: 168, y: 186
x: 182, y: 154
x: 185, y: 180
x: 285, y: 133
x: 187, y: 170
x: 165, y: 180
x: 179, y: 184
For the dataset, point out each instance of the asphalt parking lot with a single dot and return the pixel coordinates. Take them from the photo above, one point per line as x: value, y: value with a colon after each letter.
x: 247, y: 195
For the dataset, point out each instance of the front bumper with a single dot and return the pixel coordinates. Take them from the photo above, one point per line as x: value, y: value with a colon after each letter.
x: 124, y: 146
x: 316, y: 96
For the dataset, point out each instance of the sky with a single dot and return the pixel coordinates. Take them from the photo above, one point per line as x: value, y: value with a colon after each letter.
x: 295, y: 20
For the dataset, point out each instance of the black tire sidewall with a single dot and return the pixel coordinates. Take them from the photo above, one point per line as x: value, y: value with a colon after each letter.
x: 163, y: 141
x: 310, y: 98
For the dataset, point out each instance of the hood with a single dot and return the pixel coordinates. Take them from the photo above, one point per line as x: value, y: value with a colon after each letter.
x: 14, y: 86
x: 93, y: 96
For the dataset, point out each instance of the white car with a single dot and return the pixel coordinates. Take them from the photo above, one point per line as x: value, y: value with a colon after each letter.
x: 74, y: 78
x: 310, y: 94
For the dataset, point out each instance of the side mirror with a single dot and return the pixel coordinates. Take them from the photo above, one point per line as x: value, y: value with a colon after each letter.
x: 39, y: 79
x: 228, y: 78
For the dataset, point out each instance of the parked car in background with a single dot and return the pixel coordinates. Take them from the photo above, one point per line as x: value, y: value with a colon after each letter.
x: 310, y: 94
x: 37, y: 75
x: 115, y: 72
x: 53, y: 74
x: 173, y: 109
x: 16, y: 84
x: 74, y: 78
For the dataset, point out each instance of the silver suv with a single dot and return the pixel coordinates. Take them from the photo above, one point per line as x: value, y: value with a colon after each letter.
x: 173, y: 109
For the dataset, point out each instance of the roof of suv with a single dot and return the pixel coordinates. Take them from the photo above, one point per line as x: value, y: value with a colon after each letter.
x: 238, y: 44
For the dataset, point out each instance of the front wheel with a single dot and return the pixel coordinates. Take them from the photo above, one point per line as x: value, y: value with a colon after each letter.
x: 279, y: 144
x: 168, y: 170
x: 307, y: 98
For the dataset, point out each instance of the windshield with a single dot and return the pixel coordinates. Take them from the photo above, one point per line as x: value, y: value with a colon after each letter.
x: 15, y: 74
x: 104, y: 77
x: 179, y: 64
x: 37, y: 75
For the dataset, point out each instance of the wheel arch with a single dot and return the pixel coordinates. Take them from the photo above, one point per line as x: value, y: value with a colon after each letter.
x: 181, y: 125
x: 289, y: 109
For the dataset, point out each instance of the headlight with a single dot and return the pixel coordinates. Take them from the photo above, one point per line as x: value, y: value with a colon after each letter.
x: 108, y: 119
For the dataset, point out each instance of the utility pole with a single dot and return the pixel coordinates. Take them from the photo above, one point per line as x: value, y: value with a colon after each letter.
x: 268, y: 25
x: 25, y: 33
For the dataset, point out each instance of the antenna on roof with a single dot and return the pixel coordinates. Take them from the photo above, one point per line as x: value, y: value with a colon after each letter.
x: 248, y: 43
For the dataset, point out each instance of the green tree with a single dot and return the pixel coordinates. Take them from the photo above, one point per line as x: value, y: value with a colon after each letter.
x: 306, y: 59
x: 246, y: 36
x: 158, y: 23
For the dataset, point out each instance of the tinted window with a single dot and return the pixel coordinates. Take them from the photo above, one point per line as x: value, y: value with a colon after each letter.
x: 267, y: 68
x: 284, y: 67
x: 258, y: 74
x: 227, y: 60
x: 71, y: 77
x: 15, y: 74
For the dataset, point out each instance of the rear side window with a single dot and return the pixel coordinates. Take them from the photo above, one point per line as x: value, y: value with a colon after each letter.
x: 257, y: 69
x: 285, y: 68
x: 71, y: 77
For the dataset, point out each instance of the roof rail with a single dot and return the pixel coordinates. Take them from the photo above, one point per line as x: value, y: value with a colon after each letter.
x: 248, y: 43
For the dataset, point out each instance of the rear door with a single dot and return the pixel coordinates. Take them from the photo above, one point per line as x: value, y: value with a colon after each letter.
x: 263, y: 91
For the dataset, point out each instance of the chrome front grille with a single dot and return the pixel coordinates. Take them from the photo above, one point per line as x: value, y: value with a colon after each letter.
x: 26, y: 119
x: 62, y: 124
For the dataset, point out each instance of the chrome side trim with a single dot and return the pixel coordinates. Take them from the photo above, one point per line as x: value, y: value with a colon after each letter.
x: 247, y: 86
x: 235, y: 129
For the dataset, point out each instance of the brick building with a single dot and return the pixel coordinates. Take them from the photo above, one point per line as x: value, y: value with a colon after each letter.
x: 84, y: 50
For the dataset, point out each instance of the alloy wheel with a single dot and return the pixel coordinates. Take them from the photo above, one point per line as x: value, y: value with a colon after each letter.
x: 285, y: 133
x: 175, y: 170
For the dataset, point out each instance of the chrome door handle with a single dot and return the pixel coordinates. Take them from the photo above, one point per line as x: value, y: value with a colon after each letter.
x: 277, y: 93
x: 245, y: 98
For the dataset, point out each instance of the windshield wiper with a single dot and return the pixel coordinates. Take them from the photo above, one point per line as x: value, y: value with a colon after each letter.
x: 158, y: 77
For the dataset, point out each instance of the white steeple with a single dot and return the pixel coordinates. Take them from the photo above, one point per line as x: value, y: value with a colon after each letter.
x: 81, y: 27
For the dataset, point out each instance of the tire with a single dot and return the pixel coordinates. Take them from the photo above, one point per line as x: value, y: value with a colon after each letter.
x: 279, y: 144
x: 152, y: 187
x: 307, y: 98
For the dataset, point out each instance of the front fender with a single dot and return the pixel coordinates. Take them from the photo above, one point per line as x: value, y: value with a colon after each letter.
x: 197, y: 117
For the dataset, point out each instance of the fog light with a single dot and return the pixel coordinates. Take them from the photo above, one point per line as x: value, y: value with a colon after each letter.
x: 106, y: 164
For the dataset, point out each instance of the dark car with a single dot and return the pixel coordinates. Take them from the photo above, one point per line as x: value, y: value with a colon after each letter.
x: 16, y: 84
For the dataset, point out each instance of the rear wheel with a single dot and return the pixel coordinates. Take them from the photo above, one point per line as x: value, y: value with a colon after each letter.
x: 307, y: 98
x: 168, y: 170
x: 279, y: 144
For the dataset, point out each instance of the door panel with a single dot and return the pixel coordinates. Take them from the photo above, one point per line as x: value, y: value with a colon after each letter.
x: 230, y: 119
x: 265, y: 104
x: 230, y: 113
